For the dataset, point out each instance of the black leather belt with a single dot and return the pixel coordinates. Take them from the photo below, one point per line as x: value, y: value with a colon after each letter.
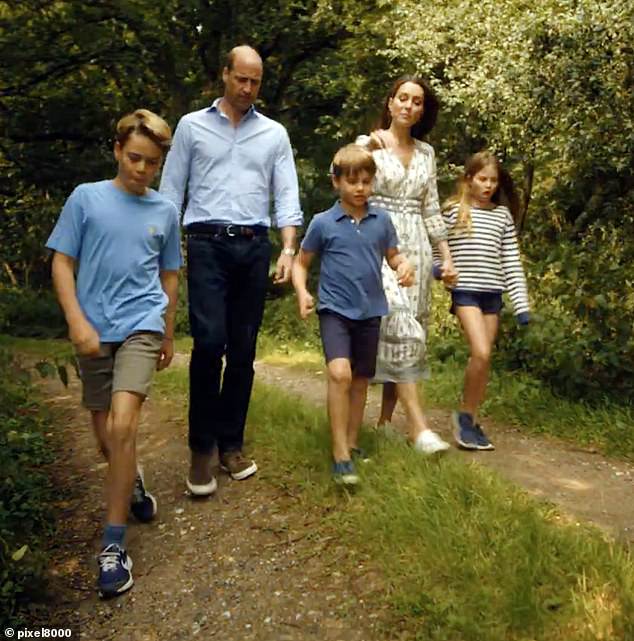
x: 214, y: 229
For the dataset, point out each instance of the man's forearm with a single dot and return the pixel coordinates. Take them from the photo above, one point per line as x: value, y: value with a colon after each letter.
x: 289, y: 237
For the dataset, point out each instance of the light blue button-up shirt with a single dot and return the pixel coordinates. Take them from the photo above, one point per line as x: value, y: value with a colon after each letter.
x: 230, y: 174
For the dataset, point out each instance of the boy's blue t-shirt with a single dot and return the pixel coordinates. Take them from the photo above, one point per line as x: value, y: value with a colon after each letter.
x: 351, y: 257
x: 121, y: 242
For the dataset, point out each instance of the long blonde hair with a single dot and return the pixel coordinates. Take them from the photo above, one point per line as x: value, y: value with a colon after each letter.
x: 504, y: 194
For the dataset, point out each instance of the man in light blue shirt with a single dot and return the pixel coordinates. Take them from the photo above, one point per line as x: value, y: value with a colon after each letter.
x: 227, y: 163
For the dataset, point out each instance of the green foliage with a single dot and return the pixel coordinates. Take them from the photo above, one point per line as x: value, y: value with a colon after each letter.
x: 283, y: 326
x: 30, y: 313
x: 24, y: 491
x: 547, y: 85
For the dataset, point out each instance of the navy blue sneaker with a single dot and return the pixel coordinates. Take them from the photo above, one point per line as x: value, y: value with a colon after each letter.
x: 115, y: 576
x: 143, y: 504
x: 359, y: 454
x: 482, y: 438
x: 464, y: 430
x: 343, y: 473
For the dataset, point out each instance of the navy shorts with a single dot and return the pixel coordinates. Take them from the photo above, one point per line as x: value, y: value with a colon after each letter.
x: 356, y: 340
x: 488, y: 302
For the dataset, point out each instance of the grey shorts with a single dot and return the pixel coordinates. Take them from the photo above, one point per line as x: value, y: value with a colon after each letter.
x: 120, y: 367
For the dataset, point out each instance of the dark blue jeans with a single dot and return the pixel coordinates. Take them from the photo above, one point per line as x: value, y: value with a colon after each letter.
x: 227, y: 279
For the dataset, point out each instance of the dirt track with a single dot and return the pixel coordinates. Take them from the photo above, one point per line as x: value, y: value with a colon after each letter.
x: 247, y: 565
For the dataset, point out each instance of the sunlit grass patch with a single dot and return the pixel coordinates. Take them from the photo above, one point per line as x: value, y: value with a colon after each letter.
x: 466, y: 555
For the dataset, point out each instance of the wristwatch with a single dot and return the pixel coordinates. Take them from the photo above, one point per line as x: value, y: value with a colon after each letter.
x: 288, y: 251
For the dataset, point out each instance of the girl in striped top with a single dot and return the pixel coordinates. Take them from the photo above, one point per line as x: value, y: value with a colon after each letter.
x: 484, y: 249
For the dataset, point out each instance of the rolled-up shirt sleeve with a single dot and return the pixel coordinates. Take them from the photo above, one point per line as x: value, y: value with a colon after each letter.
x: 434, y: 223
x: 287, y: 210
x: 175, y: 174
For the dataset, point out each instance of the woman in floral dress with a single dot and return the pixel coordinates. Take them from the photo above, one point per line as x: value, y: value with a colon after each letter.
x: 405, y: 186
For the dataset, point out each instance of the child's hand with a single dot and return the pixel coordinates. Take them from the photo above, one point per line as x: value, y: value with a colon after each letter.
x: 448, y: 273
x: 523, y: 318
x: 405, y: 274
x: 166, y: 354
x: 85, y: 339
x: 306, y: 304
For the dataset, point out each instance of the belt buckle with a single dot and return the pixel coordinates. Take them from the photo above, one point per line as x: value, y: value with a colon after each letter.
x: 229, y: 230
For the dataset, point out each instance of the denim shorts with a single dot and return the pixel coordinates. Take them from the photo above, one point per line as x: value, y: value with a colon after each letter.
x: 356, y: 340
x: 488, y: 302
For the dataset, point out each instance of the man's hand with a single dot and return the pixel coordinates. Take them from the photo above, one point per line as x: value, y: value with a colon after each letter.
x: 448, y: 273
x: 283, y: 269
x: 166, y: 354
x: 306, y: 304
x: 85, y: 339
x: 405, y: 274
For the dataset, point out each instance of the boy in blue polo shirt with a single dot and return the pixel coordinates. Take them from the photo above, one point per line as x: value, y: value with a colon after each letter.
x: 352, y: 239
x: 122, y: 240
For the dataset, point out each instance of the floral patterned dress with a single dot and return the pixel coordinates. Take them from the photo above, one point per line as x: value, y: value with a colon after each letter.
x: 410, y: 195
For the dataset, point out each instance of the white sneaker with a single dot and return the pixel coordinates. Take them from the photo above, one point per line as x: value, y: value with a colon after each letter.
x: 429, y: 442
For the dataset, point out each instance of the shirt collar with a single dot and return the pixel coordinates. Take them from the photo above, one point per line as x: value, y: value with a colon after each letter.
x: 340, y: 213
x: 215, y: 107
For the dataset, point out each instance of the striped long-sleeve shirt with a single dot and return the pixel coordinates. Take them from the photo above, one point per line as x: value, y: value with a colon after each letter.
x: 487, y: 257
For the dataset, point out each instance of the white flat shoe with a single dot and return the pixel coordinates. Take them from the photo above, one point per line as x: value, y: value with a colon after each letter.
x: 429, y: 442
x: 202, y: 490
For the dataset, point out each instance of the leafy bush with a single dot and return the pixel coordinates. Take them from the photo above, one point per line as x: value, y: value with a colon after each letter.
x: 282, y: 322
x: 24, y: 491
x: 581, y: 340
x: 30, y: 313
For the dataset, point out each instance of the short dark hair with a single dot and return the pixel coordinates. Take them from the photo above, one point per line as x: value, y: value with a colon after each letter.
x: 430, y: 106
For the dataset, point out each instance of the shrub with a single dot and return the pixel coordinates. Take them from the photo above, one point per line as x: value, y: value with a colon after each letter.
x: 24, y: 491
x: 30, y: 313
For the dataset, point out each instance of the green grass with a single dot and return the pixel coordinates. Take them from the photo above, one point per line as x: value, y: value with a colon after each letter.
x: 37, y: 347
x: 466, y: 556
x: 513, y: 398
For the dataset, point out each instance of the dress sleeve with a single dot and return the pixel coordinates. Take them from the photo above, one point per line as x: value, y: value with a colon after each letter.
x: 363, y: 141
x: 432, y: 217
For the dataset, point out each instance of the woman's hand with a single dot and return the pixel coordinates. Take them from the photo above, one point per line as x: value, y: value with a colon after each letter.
x: 377, y: 140
x: 448, y: 273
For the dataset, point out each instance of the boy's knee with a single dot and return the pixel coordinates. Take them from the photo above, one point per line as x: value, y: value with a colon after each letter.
x: 481, y: 354
x: 339, y: 372
x: 122, y: 429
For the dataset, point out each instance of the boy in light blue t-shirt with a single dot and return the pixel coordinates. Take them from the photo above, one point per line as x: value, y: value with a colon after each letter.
x: 122, y: 239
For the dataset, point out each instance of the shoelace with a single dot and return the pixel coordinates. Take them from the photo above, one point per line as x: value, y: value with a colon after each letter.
x: 138, y: 494
x: 108, y: 561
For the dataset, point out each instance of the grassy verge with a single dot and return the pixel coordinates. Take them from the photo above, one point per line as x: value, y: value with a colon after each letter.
x: 513, y: 398
x: 466, y: 556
